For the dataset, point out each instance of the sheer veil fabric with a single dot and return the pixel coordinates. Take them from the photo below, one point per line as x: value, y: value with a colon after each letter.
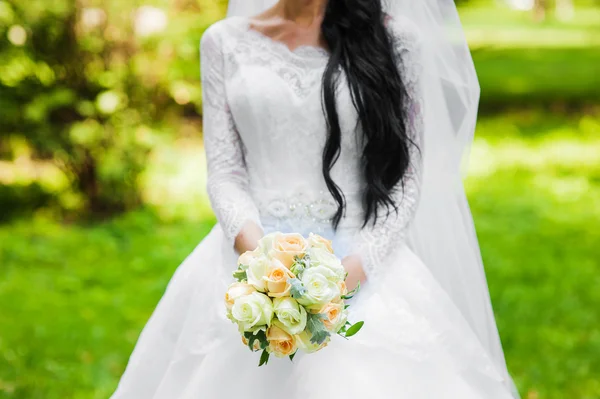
x: 442, y: 233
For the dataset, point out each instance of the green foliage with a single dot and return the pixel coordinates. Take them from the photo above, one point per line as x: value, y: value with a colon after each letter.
x: 352, y: 293
x: 297, y: 290
x: 354, y: 329
x: 240, y: 275
x: 264, y: 358
x: 315, y: 326
x: 260, y: 336
x: 85, y: 85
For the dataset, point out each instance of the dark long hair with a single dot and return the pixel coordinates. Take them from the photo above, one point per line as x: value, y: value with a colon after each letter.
x: 362, y: 46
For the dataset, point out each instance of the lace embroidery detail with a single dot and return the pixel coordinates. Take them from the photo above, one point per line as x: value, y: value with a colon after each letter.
x: 227, y: 183
x: 301, y: 69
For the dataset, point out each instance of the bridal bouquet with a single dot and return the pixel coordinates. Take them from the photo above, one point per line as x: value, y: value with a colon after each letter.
x: 289, y: 296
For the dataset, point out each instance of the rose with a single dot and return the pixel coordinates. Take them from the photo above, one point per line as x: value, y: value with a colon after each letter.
x: 316, y: 241
x: 247, y: 257
x: 291, y: 315
x: 303, y: 342
x: 285, y: 247
x: 320, y: 287
x: 281, y: 343
x: 321, y: 257
x: 335, y: 316
x: 277, y: 278
x: 252, y: 312
x: 257, y: 269
x: 235, y: 291
x: 265, y: 244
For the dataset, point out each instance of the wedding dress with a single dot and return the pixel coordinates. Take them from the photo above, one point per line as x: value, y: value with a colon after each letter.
x: 264, y: 131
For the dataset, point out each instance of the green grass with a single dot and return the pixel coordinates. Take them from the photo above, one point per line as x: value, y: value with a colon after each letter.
x: 74, y: 298
x: 521, y: 63
x: 547, y: 77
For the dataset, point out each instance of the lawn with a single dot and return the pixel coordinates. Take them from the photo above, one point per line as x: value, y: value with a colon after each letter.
x: 74, y: 297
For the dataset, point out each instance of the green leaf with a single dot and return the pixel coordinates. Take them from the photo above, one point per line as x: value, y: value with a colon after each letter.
x: 316, y: 327
x: 354, y: 329
x: 351, y: 294
x: 297, y: 290
x: 292, y: 356
x: 260, y: 336
x: 264, y: 358
x: 300, y: 264
x: 240, y: 275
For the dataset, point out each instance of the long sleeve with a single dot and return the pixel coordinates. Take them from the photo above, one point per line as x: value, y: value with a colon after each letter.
x: 375, y: 243
x: 227, y: 182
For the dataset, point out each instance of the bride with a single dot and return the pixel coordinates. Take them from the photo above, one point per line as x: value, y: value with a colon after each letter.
x: 347, y: 118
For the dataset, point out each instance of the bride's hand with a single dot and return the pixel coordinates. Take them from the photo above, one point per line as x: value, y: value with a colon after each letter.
x: 247, y: 239
x: 356, y: 273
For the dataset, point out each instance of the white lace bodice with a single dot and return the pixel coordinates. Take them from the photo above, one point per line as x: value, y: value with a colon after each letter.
x: 264, y: 132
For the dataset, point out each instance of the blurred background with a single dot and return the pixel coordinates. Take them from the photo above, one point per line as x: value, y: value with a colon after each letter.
x: 102, y: 183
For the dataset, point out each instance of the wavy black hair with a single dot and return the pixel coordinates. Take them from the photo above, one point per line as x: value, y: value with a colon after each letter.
x: 362, y: 47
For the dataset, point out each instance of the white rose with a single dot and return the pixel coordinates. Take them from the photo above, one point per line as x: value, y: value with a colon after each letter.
x: 316, y: 241
x: 320, y: 287
x: 246, y: 258
x: 322, y: 257
x: 252, y: 312
x: 291, y: 315
x: 303, y: 342
x: 235, y: 291
x: 265, y: 244
x: 258, y: 268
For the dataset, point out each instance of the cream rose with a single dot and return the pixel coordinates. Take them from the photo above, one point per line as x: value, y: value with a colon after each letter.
x: 320, y: 287
x: 321, y: 257
x: 281, y: 343
x: 316, y: 241
x: 335, y: 316
x: 257, y: 270
x: 235, y: 291
x: 303, y: 342
x: 252, y: 312
x: 291, y: 315
x: 285, y: 247
x: 277, y: 278
x: 247, y: 257
x: 265, y: 244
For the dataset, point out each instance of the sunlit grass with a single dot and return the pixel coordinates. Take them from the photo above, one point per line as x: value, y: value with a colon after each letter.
x: 500, y: 26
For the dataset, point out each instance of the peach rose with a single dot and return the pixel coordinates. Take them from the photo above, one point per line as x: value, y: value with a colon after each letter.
x: 235, y: 291
x: 277, y: 279
x: 281, y: 344
x: 334, y: 316
x: 286, y: 247
x: 316, y: 241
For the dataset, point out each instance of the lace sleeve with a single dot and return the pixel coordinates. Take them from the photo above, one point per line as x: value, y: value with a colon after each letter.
x: 375, y: 243
x: 227, y: 182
